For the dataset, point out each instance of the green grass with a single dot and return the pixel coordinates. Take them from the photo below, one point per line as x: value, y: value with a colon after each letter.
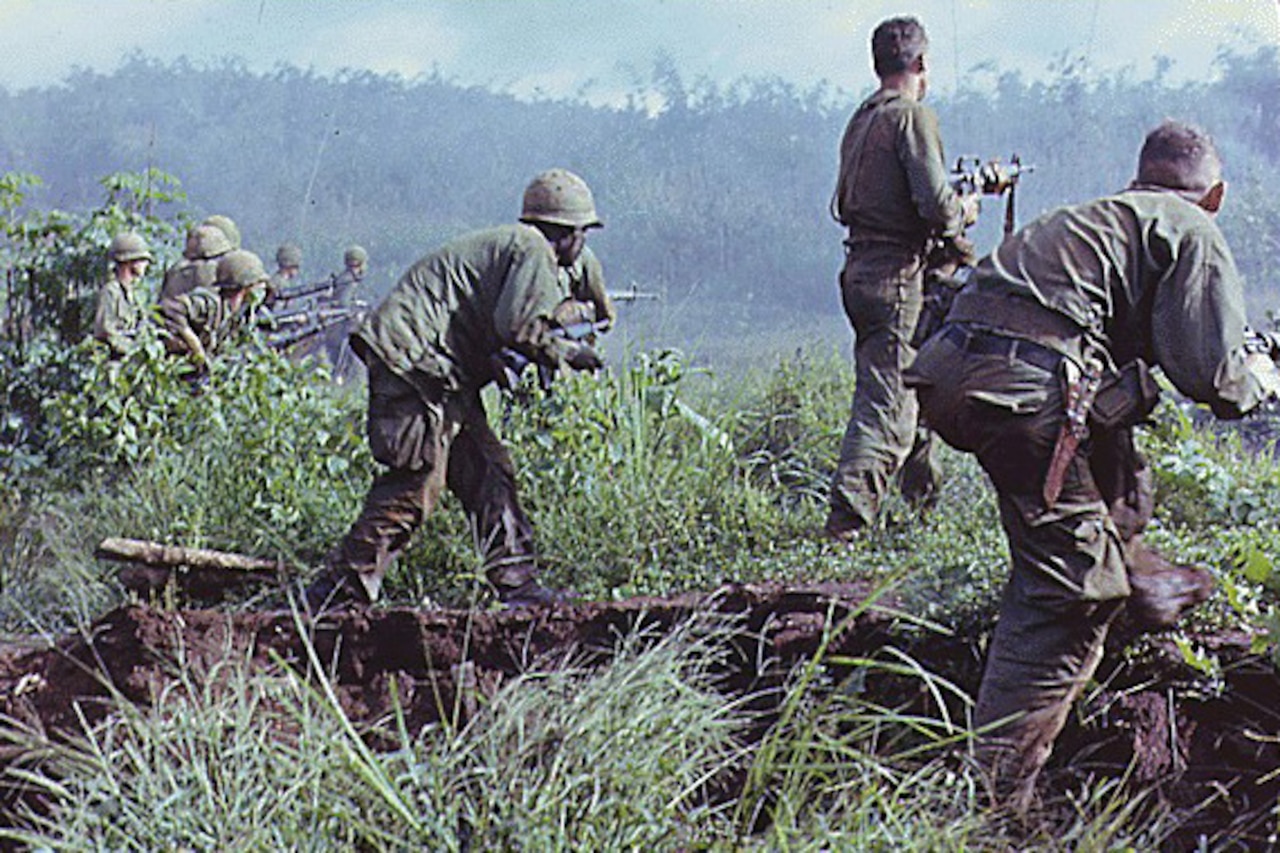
x: 653, y: 478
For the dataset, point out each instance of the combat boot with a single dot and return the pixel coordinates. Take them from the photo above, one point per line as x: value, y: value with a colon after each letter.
x: 1162, y: 591
x: 532, y: 594
x: 334, y: 590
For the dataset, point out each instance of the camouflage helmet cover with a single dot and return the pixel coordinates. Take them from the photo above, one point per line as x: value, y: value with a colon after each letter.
x: 227, y: 226
x: 210, y: 242
x: 355, y: 255
x: 289, y: 255
x: 240, y: 269
x: 559, y: 197
x: 128, y: 246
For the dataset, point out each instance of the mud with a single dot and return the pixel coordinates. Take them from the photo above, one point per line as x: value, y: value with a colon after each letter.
x: 1208, y: 750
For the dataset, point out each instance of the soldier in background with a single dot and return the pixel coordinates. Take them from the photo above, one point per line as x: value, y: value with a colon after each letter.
x: 895, y: 198
x: 430, y: 349
x: 200, y: 322
x: 1041, y: 369
x: 355, y: 261
x: 121, y: 300
x: 288, y: 270
x: 199, y: 265
x: 227, y: 226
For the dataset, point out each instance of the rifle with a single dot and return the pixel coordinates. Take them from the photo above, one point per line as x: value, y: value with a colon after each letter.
x: 971, y: 175
x: 302, y: 291
x: 508, y: 364
x: 632, y: 294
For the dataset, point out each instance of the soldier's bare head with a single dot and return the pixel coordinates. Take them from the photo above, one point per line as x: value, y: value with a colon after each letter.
x: 898, y: 45
x: 1181, y: 157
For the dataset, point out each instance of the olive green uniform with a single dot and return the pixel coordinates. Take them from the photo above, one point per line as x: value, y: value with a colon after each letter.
x: 589, y: 299
x: 428, y: 347
x: 186, y: 275
x: 202, y: 313
x: 1143, y: 274
x: 119, y: 312
x: 894, y: 196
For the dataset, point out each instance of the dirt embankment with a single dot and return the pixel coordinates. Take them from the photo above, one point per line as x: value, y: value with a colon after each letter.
x: 1208, y: 748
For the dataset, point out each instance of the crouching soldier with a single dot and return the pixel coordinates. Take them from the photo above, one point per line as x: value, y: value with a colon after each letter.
x: 429, y: 349
x: 199, y: 322
x: 1041, y: 370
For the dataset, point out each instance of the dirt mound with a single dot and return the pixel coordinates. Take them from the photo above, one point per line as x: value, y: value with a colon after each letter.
x: 1154, y: 719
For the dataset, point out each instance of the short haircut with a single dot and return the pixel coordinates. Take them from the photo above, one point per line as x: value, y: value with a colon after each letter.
x: 896, y: 44
x: 1180, y: 157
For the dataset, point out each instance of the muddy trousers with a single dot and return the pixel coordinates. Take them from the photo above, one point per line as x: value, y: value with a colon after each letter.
x: 1068, y: 577
x: 882, y: 289
x: 428, y: 442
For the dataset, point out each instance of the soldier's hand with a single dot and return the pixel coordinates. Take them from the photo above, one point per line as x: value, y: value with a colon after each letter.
x: 971, y: 206
x: 584, y: 357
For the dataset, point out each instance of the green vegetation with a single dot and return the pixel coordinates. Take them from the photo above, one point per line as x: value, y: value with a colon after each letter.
x: 658, y: 476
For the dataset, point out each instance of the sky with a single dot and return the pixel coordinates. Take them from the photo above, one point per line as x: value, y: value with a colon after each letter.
x: 600, y: 50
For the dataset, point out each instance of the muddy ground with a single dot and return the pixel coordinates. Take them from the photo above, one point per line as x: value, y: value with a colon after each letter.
x: 1208, y: 749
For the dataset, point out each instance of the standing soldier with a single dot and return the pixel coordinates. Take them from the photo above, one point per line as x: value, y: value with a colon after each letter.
x: 894, y: 197
x: 355, y: 260
x: 199, y: 322
x: 121, y: 302
x: 199, y: 265
x: 429, y: 349
x: 1041, y: 370
x: 288, y: 270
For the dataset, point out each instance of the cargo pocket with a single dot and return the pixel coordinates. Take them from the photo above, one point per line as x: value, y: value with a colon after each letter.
x: 402, y: 430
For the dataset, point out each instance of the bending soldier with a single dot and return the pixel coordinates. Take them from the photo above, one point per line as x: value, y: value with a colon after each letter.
x: 205, y: 244
x: 121, y: 301
x: 1040, y: 369
x: 895, y: 198
x: 198, y: 323
x: 429, y: 350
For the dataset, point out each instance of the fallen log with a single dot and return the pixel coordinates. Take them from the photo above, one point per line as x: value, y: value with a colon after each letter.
x: 202, y: 573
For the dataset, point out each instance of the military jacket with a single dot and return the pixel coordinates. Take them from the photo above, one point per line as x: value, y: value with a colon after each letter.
x: 894, y: 185
x: 459, y: 305
x: 344, y: 287
x: 204, y: 313
x: 119, y: 311
x: 186, y: 275
x: 1147, y: 274
x: 585, y: 282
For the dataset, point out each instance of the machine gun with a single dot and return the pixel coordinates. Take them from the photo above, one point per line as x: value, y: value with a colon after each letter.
x: 286, y: 330
x: 508, y: 364
x: 971, y: 176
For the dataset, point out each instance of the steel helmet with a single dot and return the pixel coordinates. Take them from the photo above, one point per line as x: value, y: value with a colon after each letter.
x: 128, y: 246
x: 239, y: 269
x: 211, y: 242
x: 355, y: 255
x: 227, y: 226
x: 560, y: 197
x: 289, y: 255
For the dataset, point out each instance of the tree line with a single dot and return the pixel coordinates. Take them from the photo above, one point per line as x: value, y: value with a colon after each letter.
x: 718, y: 199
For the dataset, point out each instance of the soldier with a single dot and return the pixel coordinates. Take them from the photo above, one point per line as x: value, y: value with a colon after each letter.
x: 1054, y: 331
x: 199, y: 322
x: 429, y: 349
x: 199, y: 265
x: 354, y: 261
x: 121, y: 301
x: 227, y: 226
x: 288, y: 270
x: 894, y: 196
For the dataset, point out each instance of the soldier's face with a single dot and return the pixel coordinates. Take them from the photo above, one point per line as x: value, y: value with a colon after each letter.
x: 569, y: 246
